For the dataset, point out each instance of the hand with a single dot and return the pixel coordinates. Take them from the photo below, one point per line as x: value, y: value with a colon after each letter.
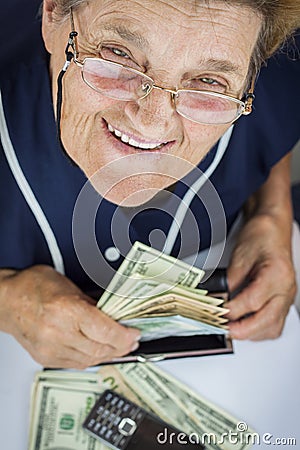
x: 58, y: 324
x: 263, y: 256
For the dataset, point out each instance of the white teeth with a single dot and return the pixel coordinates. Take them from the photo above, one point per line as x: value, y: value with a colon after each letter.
x: 127, y: 140
x: 147, y: 146
x: 133, y: 142
x: 124, y: 138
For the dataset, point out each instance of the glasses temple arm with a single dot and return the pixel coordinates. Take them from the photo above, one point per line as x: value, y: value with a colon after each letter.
x: 249, y: 97
x: 71, y: 48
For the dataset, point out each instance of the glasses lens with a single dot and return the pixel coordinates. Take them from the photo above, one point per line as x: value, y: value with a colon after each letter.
x: 208, y: 108
x: 115, y: 81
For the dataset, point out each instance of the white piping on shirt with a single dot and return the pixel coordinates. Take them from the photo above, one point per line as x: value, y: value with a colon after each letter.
x: 190, y: 194
x: 28, y: 193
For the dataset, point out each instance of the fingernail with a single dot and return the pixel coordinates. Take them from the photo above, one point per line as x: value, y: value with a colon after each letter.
x: 134, y: 347
x: 136, y: 337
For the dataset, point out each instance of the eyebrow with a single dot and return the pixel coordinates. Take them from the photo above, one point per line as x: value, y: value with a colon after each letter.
x: 129, y: 36
x: 221, y: 65
x: 218, y: 65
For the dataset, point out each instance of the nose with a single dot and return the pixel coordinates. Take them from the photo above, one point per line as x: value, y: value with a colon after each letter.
x: 153, y: 115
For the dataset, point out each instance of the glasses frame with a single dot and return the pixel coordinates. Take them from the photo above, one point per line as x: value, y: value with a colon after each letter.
x: 246, y: 104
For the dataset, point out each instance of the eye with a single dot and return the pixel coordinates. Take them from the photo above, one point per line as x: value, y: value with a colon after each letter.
x: 119, y: 52
x: 118, y: 55
x: 206, y: 83
x: 210, y: 81
x: 114, y: 54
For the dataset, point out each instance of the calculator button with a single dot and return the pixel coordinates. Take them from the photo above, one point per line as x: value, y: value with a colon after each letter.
x: 139, y: 416
x: 111, y: 418
x: 108, y: 434
x: 127, y: 426
x: 91, y: 423
x: 100, y: 409
x: 126, y: 407
x: 133, y: 413
x: 122, y: 442
x: 103, y: 430
x: 108, y: 396
x: 97, y: 426
x: 105, y: 413
x: 114, y: 400
x: 117, y: 421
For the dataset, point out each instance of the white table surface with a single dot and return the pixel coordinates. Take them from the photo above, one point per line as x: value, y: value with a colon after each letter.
x: 259, y: 384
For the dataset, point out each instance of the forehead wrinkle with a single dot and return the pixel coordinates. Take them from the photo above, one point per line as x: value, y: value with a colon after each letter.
x: 121, y: 31
x: 128, y: 35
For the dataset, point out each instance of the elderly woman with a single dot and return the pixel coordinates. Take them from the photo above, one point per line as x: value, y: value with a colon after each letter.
x: 143, y: 95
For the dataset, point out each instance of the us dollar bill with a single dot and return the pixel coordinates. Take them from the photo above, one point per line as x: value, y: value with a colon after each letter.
x: 161, y: 327
x: 61, y: 400
x: 179, y: 405
x: 58, y: 416
x: 153, y: 264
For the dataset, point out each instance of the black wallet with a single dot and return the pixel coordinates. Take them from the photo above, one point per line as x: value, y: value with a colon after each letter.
x: 186, y: 346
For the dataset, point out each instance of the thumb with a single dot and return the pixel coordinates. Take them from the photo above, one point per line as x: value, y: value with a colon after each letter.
x: 101, y: 328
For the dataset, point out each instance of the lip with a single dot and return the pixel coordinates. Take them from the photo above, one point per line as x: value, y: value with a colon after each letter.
x: 130, y: 148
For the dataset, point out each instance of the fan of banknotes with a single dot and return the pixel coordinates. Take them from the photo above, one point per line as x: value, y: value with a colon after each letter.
x: 61, y: 400
x: 157, y: 293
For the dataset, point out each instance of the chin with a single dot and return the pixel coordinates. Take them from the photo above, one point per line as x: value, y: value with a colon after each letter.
x: 135, y: 179
x: 132, y: 191
x: 133, y: 200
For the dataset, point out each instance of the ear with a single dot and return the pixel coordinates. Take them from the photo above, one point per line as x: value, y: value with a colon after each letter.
x: 49, y: 23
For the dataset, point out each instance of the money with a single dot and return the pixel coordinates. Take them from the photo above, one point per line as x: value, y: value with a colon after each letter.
x: 157, y: 294
x: 58, y: 407
x: 155, y: 265
x: 161, y: 327
x: 61, y: 400
x: 177, y: 404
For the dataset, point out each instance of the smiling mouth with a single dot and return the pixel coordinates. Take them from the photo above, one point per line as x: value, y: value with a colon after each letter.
x: 135, y: 143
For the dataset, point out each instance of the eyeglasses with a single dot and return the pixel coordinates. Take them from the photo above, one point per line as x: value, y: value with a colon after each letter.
x: 119, y: 82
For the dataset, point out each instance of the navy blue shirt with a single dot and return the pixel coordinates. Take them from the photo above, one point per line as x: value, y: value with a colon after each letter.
x: 257, y: 143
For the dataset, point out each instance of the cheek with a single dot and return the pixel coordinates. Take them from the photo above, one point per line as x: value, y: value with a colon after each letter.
x: 79, y: 97
x: 81, y: 119
x: 200, y: 138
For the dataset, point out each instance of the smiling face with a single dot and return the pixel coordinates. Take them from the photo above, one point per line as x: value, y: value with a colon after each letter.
x: 125, y: 146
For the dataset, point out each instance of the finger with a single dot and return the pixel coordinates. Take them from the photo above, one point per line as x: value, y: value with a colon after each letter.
x: 98, y: 327
x: 74, y: 363
x: 252, y: 298
x: 73, y: 357
x: 237, y: 272
x: 95, y: 352
x: 267, y: 323
x: 61, y: 356
x: 67, y: 344
x: 103, y: 353
x: 242, y: 263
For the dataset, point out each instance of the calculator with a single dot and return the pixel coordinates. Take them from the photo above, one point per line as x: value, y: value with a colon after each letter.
x: 121, y: 424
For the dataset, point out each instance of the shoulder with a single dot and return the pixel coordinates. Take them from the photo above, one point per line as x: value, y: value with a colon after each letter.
x: 279, y: 78
x: 18, y: 19
x: 272, y: 129
x: 24, y: 74
x: 21, y: 43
